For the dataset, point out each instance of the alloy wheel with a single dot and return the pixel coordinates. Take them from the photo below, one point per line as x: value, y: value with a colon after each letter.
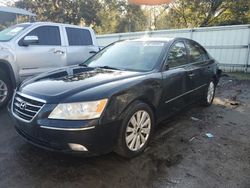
x: 3, y: 91
x: 138, y: 130
x: 210, y: 92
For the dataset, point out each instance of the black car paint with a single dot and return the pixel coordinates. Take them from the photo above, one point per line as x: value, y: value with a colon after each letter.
x: 157, y: 88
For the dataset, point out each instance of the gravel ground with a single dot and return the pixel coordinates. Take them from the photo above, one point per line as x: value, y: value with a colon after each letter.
x: 180, y: 155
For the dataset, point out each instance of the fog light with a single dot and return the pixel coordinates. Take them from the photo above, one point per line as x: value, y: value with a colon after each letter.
x: 77, y: 147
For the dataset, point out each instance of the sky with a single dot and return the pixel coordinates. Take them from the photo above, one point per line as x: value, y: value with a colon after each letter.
x: 6, y: 2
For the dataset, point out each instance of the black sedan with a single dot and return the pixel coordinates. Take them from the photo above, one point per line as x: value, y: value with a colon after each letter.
x: 114, y: 100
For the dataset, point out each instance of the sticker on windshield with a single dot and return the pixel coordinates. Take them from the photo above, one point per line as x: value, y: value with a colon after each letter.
x: 154, y: 44
x: 14, y: 31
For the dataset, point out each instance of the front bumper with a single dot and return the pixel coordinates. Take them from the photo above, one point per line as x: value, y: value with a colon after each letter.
x: 88, y: 137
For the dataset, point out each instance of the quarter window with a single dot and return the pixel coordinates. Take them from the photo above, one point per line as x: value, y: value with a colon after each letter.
x: 197, y: 53
x: 78, y: 37
x: 47, y: 35
x: 177, y: 55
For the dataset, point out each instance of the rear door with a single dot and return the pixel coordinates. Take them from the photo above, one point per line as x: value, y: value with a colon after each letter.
x: 198, y: 70
x: 47, y: 54
x: 174, y: 80
x: 80, y: 45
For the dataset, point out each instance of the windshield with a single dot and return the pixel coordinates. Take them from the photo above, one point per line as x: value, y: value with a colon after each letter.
x: 128, y: 55
x: 11, y: 32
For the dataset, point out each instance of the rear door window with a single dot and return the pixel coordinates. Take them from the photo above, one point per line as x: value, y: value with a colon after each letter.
x: 78, y: 37
x: 47, y: 35
x: 196, y: 52
x: 177, y: 55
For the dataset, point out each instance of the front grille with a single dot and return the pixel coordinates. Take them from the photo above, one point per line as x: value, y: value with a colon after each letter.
x: 25, y: 107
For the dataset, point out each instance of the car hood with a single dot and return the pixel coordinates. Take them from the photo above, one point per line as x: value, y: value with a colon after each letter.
x: 71, y: 80
x: 5, y: 46
x: 6, y: 51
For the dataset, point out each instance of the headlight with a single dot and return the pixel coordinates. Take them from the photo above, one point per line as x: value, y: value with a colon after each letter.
x: 79, y: 111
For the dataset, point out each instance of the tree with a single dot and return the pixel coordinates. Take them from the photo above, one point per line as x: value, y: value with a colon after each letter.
x: 105, y: 16
x: 238, y: 12
x: 118, y: 16
x: 63, y: 11
x: 200, y: 13
x: 133, y: 19
x: 51, y: 10
x: 155, y: 15
x: 88, y: 10
x: 111, y: 16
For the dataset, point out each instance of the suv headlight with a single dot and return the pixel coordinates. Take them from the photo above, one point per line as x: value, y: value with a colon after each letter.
x: 79, y: 111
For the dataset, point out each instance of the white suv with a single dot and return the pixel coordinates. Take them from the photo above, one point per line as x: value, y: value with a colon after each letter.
x: 32, y: 48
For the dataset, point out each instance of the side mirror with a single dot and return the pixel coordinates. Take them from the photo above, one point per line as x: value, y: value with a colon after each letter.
x: 29, y: 40
x: 166, y: 67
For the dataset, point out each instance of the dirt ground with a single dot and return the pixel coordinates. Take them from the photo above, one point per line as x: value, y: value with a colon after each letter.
x: 180, y: 155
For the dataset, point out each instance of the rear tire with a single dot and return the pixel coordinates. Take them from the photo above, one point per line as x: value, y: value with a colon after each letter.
x: 209, y: 94
x: 6, y: 89
x: 136, y: 131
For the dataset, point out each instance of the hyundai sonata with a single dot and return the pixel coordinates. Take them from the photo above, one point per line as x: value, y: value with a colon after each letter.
x: 114, y: 100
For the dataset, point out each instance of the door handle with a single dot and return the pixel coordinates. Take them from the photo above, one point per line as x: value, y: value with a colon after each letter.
x: 59, y: 52
x: 191, y: 75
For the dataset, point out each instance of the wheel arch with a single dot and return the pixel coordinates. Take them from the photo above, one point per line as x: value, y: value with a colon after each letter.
x: 145, y: 100
x: 215, y: 79
x: 6, y: 67
x: 142, y: 99
x: 217, y: 75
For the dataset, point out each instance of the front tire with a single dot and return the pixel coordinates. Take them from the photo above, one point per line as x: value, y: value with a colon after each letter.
x: 6, y: 89
x: 136, y: 131
x: 208, y: 96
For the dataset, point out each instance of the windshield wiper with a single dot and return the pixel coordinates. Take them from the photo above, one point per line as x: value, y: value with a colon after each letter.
x: 108, y: 67
x: 83, y: 65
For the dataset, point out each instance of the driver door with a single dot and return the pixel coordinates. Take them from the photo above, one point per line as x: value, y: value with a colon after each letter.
x: 174, y: 80
x: 45, y: 55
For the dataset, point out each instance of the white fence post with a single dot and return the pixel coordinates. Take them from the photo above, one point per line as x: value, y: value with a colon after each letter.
x: 191, y: 33
x: 248, y: 51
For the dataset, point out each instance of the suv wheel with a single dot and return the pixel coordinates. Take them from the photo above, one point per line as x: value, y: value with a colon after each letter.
x: 5, y: 89
x: 136, y: 131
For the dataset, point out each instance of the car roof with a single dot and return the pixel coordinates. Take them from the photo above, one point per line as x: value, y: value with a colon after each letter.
x: 158, y: 39
x: 55, y: 24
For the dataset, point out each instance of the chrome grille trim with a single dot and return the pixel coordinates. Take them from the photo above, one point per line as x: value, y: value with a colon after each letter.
x: 23, y: 113
x: 32, y: 107
x: 30, y: 97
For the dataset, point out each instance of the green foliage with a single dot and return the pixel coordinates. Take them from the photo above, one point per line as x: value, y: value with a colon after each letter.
x: 132, y: 20
x: 111, y: 16
x: 53, y: 10
x: 201, y: 13
x: 238, y: 12
x: 106, y: 16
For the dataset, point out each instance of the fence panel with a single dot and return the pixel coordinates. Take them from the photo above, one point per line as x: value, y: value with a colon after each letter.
x: 229, y: 45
